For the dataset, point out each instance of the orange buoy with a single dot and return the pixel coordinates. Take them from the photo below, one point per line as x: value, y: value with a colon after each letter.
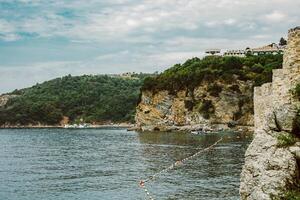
x: 142, y: 183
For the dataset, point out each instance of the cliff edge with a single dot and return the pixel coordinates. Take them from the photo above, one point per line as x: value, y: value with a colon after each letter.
x: 272, y: 161
x: 201, y: 108
x: 211, y: 93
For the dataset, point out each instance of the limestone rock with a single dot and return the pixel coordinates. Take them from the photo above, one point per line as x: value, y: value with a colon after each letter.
x: 269, y: 170
x: 5, y: 98
x: 285, y: 116
x: 295, y: 150
x: 164, y: 110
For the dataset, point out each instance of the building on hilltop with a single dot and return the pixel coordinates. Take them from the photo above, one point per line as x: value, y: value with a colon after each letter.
x: 213, y: 51
x: 126, y: 75
x: 239, y: 53
x: 268, y: 49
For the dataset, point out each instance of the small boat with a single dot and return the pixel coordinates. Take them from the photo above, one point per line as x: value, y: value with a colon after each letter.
x: 197, y: 132
x: 202, y: 131
x: 75, y: 126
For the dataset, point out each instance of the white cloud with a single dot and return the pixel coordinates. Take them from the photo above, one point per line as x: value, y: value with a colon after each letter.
x: 136, y: 35
x: 276, y: 16
x: 230, y: 21
x: 120, y: 19
x: 10, y: 37
x: 226, y: 22
x: 7, y: 31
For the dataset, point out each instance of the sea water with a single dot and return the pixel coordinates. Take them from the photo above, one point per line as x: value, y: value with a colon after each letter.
x: 107, y: 164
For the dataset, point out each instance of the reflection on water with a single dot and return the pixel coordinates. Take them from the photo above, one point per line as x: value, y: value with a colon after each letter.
x: 107, y: 164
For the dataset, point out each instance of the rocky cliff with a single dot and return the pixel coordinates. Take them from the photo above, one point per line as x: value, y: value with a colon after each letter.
x: 5, y: 98
x: 272, y: 161
x: 209, y: 105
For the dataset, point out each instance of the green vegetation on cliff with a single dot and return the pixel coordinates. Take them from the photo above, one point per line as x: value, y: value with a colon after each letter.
x: 91, y: 98
x: 285, y: 140
x: 297, y: 91
x: 196, y: 71
x: 293, y: 194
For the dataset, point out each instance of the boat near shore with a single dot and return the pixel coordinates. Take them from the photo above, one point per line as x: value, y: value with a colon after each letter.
x: 80, y: 126
x: 92, y: 126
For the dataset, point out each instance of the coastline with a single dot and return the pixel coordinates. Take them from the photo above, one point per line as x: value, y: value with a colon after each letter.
x: 133, y: 127
x: 63, y: 127
x: 196, y: 127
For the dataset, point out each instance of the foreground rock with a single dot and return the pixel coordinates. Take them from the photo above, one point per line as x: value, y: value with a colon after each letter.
x: 271, y: 168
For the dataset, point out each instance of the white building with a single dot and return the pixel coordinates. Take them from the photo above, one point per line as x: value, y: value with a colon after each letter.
x: 238, y: 53
x: 213, y: 51
x: 268, y: 49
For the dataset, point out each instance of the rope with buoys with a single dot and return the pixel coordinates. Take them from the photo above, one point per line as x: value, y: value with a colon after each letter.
x: 142, y: 183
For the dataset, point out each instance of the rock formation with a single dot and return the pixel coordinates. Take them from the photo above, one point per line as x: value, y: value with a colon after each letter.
x: 210, y: 104
x: 5, y: 98
x: 270, y: 169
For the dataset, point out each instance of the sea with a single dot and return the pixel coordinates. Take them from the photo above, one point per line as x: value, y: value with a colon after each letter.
x: 108, y: 164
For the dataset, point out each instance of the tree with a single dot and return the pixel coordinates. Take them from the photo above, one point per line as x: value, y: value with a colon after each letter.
x: 92, y: 98
x: 282, y: 42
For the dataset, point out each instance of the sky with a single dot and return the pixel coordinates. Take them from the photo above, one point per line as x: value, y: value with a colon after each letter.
x: 44, y: 39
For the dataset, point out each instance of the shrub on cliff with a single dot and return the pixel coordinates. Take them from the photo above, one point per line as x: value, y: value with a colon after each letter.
x: 189, y: 104
x: 206, y: 109
x: 235, y: 88
x: 291, y: 195
x: 297, y: 91
x: 285, y: 140
x: 214, y: 90
x: 296, y: 122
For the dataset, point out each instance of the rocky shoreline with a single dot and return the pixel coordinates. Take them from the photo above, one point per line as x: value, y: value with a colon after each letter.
x: 197, y: 127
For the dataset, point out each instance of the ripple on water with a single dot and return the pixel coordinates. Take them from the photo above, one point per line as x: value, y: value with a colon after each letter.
x: 108, y: 163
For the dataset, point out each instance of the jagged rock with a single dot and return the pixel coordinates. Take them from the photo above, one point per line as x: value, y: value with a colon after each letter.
x: 269, y: 169
x: 281, y: 119
x: 285, y: 116
x: 295, y: 150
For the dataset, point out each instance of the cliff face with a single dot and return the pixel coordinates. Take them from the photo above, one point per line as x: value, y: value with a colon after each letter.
x: 5, y: 98
x: 207, y: 105
x: 270, y: 168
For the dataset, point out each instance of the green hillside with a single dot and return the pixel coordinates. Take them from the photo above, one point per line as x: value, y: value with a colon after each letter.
x: 103, y: 98
x: 91, y: 98
x: 196, y: 71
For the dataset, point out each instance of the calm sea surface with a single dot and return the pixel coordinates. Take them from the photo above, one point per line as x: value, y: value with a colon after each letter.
x: 102, y: 164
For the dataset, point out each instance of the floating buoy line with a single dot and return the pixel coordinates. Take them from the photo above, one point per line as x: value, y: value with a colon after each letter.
x: 178, y: 163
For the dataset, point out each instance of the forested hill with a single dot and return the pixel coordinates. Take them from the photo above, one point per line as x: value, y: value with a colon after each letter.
x: 102, y: 99
x: 97, y: 99
x: 211, y: 68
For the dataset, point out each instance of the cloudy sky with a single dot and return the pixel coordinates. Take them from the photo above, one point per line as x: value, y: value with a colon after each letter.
x: 43, y: 39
